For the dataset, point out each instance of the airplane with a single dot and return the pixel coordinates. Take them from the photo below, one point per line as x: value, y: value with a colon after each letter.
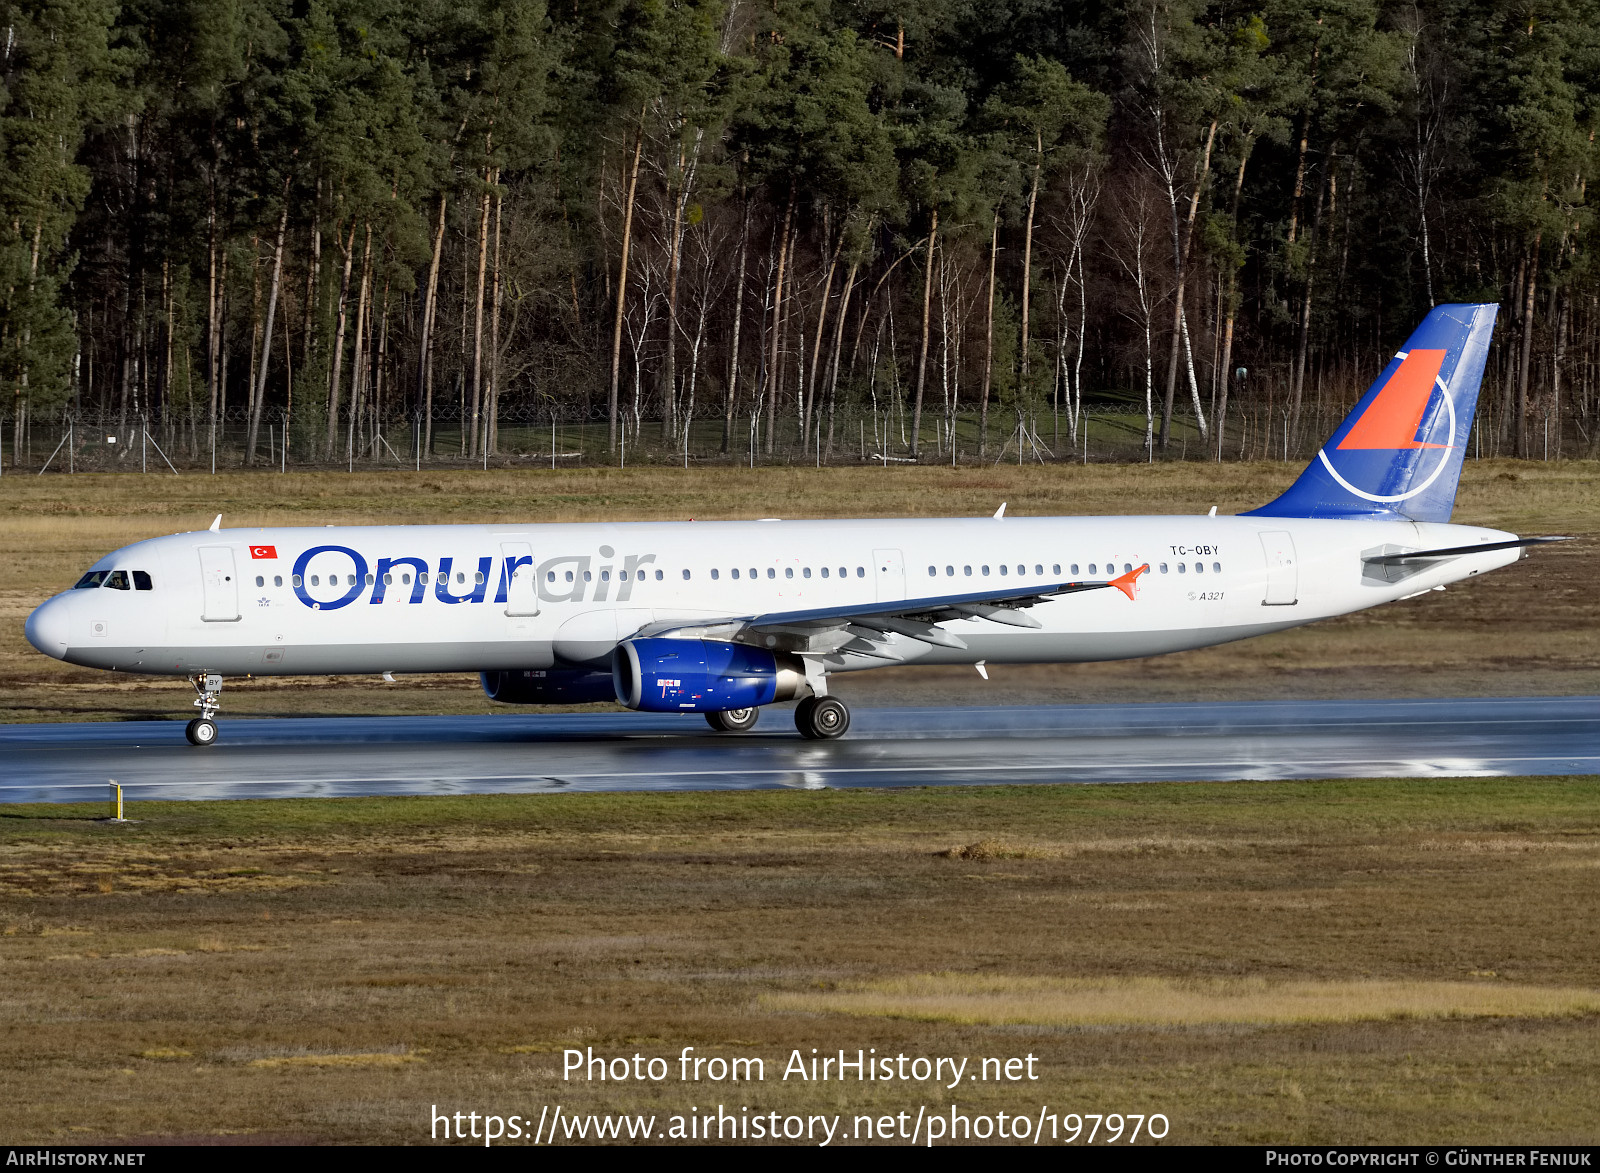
x: 722, y: 618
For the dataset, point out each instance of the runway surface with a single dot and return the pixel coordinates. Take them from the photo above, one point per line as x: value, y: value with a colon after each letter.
x: 529, y: 752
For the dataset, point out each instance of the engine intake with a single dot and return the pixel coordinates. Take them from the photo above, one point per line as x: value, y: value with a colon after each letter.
x: 703, y: 675
x: 529, y: 686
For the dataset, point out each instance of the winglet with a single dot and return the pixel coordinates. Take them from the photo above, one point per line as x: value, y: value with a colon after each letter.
x: 1128, y: 584
x: 216, y: 526
x: 1001, y: 512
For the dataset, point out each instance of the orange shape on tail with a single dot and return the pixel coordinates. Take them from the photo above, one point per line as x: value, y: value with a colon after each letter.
x: 1393, y: 417
x: 1128, y: 584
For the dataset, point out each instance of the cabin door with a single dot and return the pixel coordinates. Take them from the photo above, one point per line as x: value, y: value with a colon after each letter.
x: 1283, y: 576
x: 219, y: 584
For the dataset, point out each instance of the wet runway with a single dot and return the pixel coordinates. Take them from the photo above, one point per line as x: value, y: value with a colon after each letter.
x: 531, y: 753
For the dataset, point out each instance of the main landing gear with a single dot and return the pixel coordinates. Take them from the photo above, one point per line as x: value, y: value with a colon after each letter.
x: 821, y: 718
x: 202, y: 731
x: 734, y: 720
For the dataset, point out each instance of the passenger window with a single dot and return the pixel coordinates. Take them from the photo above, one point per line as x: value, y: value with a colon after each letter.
x: 986, y: 570
x: 1075, y: 569
x: 477, y: 576
x: 1022, y: 570
x: 734, y: 572
x: 1004, y: 569
x: 1163, y: 568
x: 788, y: 572
x: 949, y: 571
x: 844, y: 572
x: 1056, y: 569
x: 1127, y: 568
x: 260, y: 581
x: 932, y: 571
x: 824, y: 572
x: 388, y: 580
x: 405, y: 580
x: 753, y: 573
x: 1092, y: 568
x: 661, y: 575
x: 422, y: 577
x: 805, y: 573
x: 861, y: 572
x: 967, y: 570
x: 1199, y: 567
x: 296, y: 580
x: 1182, y: 569
x: 91, y: 580
x: 685, y: 576
x: 371, y: 580
x: 277, y: 580
x: 316, y: 580
x: 1216, y: 568
x: 714, y: 575
x: 1038, y: 569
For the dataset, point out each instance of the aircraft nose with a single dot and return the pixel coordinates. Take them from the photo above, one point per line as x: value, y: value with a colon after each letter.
x: 47, y: 628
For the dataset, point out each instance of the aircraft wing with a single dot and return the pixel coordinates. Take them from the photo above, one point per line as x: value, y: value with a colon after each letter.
x: 866, y: 628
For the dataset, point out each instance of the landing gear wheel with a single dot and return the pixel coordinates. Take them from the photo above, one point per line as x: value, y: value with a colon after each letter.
x: 734, y: 720
x: 201, y: 731
x: 821, y: 718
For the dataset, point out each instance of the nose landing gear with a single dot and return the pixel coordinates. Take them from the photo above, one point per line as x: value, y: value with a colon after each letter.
x: 202, y: 731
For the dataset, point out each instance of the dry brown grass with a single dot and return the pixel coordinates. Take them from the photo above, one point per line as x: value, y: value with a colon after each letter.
x: 445, y: 951
x: 999, y: 1000
x: 1531, y: 629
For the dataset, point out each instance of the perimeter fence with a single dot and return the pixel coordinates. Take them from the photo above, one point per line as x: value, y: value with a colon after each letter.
x: 531, y: 437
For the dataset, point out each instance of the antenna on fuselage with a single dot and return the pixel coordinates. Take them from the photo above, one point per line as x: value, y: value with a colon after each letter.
x: 1001, y: 512
x: 216, y: 525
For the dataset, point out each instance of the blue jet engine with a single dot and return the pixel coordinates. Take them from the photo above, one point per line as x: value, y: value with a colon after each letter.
x: 703, y: 675
x: 531, y: 686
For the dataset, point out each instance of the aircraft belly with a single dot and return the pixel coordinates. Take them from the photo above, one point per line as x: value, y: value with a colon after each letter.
x: 318, y: 659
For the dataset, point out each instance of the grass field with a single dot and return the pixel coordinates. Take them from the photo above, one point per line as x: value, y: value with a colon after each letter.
x: 1351, y: 962
x: 1532, y: 628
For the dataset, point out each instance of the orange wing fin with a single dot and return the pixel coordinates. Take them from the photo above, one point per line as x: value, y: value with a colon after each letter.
x: 1128, y: 584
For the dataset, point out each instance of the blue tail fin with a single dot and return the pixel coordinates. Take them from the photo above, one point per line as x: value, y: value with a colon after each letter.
x: 1399, y: 453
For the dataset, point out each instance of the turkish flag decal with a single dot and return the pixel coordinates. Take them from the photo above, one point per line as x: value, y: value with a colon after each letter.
x: 263, y: 551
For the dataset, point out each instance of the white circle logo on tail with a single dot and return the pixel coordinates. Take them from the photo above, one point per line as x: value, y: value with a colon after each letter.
x: 1391, y: 421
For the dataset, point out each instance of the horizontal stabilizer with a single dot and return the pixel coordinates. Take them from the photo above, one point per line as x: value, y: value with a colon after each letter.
x: 1456, y: 551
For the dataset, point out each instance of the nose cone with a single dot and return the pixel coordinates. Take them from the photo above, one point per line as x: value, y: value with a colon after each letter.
x: 47, y: 628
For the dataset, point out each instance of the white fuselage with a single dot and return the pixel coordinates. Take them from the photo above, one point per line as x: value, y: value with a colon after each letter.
x: 375, y: 599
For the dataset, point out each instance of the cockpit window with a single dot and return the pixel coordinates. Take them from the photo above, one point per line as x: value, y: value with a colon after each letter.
x: 91, y: 580
x: 117, y: 580
x: 141, y: 580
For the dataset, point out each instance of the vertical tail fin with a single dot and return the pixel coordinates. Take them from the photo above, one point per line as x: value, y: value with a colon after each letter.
x: 1399, y: 453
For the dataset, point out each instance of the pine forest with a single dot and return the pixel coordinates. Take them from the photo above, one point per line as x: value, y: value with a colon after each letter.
x: 341, y: 232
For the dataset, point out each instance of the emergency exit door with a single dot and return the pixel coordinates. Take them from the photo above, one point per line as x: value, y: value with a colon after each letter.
x: 889, y: 567
x: 522, y: 579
